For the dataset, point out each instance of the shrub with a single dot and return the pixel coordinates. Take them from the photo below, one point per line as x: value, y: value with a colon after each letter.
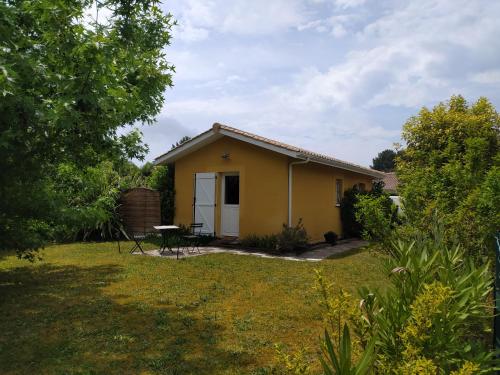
x: 451, y: 167
x: 266, y: 242
x: 293, y: 238
x: 331, y: 237
x: 162, y: 179
x: 350, y: 226
x: 290, y: 239
x: 435, y: 317
x: 378, y: 216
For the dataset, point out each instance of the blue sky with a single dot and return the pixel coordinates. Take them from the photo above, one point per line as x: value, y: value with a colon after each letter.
x: 338, y: 77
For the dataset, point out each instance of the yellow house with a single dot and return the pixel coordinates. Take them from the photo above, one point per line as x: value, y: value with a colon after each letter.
x: 237, y: 183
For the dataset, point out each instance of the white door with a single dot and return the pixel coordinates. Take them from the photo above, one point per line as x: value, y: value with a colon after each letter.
x: 204, y: 202
x: 230, y: 208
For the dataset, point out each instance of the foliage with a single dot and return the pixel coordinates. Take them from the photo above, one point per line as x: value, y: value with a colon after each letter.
x: 90, y: 200
x: 351, y: 227
x: 338, y: 351
x: 289, y: 239
x: 69, y: 85
x: 331, y: 237
x: 339, y: 361
x: 162, y: 179
x: 437, y: 313
x: 385, y: 161
x: 268, y: 242
x: 352, y: 223
x: 293, y: 238
x: 378, y: 216
x: 181, y: 141
x: 438, y: 307
x: 451, y: 167
x: 211, y: 314
x: 295, y: 363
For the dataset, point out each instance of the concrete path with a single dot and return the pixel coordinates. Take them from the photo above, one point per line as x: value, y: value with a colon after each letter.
x: 314, y: 255
x: 341, y: 248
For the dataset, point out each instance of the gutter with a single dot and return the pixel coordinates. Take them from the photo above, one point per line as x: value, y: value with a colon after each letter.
x: 290, y: 180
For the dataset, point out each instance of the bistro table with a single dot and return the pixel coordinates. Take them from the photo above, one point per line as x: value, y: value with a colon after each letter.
x: 165, y: 230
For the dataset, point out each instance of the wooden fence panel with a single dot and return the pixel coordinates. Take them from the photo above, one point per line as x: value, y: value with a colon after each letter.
x: 140, y: 210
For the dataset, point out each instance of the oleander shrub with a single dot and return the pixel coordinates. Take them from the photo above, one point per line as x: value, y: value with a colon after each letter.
x: 435, y: 318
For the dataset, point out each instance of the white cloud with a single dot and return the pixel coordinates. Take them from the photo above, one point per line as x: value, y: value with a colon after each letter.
x: 349, y: 3
x: 188, y: 33
x: 487, y: 77
x: 404, y: 59
x: 242, y: 17
x: 338, y: 25
x: 273, y: 68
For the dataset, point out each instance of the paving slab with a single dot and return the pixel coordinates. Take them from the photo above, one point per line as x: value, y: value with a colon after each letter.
x: 314, y: 255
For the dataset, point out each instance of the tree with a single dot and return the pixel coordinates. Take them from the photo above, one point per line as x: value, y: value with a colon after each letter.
x: 161, y: 178
x: 68, y: 84
x: 385, y: 161
x: 451, y: 169
x: 181, y: 141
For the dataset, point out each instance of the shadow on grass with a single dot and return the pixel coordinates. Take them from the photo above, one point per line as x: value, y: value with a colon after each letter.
x: 58, y: 320
x: 348, y: 253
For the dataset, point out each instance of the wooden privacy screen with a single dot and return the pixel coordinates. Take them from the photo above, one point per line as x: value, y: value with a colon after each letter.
x: 140, y: 210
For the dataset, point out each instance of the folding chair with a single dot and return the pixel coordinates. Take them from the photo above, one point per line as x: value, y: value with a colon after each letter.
x: 193, y: 239
x: 137, y: 238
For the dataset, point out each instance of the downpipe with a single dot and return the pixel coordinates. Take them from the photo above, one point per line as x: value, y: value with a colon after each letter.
x: 290, y: 180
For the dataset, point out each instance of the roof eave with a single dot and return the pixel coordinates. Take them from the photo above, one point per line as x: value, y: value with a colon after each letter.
x: 217, y: 132
x: 194, y: 144
x: 351, y: 168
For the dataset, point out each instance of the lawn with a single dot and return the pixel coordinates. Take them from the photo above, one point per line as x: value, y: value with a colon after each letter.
x: 86, y: 309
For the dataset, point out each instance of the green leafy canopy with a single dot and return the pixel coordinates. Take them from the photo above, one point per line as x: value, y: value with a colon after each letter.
x: 451, y: 168
x: 68, y: 84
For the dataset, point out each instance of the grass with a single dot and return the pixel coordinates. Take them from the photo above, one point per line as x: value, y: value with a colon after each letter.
x: 86, y: 309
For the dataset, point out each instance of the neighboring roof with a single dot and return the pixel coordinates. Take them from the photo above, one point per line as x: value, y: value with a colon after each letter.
x: 218, y: 131
x: 390, y: 181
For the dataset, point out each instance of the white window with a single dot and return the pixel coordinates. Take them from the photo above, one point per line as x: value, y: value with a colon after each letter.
x: 360, y: 187
x: 339, y: 192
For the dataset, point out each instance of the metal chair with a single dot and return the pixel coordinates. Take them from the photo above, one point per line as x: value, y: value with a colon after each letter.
x: 193, y: 239
x: 138, y: 238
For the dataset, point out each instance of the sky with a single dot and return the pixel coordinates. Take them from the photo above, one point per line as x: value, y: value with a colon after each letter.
x: 339, y: 77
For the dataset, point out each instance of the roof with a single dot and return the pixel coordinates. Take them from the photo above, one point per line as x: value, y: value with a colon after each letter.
x: 218, y: 131
x: 390, y: 181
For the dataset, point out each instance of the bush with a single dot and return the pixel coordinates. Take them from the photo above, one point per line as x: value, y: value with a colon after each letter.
x: 331, y: 237
x: 293, y: 238
x: 451, y: 167
x: 350, y: 226
x: 290, y: 239
x: 378, y: 216
x: 161, y: 178
x: 434, y: 318
x: 268, y: 242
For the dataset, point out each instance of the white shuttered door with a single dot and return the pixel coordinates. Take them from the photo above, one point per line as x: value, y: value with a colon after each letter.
x: 204, y: 201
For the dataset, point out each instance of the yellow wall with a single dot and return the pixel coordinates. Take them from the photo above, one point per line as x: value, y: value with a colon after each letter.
x: 263, y: 184
x: 264, y: 188
x: 314, y: 197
